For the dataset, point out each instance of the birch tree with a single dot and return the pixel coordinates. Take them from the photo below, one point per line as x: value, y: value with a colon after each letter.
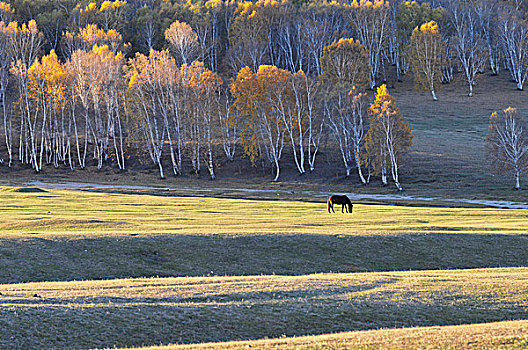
x: 146, y: 22
x: 410, y: 15
x: 80, y: 69
x: 46, y: 87
x: 258, y: 100
x: 248, y: 40
x: 112, y: 14
x: 347, y: 119
x: 468, y: 41
x: 112, y: 87
x: 24, y: 43
x: 208, y: 97
x: 389, y: 137
x: 345, y: 74
x: 87, y: 37
x: 486, y: 11
x: 307, y: 125
x: 6, y: 57
x: 192, y: 113
x: 514, y: 36
x: 323, y: 23
x: 427, y: 48
x: 371, y: 22
x: 6, y: 12
x: 507, y: 144
x: 228, y: 126
x: 183, y: 41
x: 155, y: 83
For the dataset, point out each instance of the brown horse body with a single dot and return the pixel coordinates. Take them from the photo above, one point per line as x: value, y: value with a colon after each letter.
x: 345, y: 202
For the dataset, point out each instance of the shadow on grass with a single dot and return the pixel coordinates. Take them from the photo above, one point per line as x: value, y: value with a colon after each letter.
x: 37, y: 259
x: 233, y: 314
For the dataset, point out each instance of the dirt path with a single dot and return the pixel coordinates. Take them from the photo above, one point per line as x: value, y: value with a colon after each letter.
x: 314, y: 194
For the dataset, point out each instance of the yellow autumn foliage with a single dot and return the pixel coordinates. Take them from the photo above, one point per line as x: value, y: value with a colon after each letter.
x: 109, y: 5
x: 366, y: 4
x: 91, y: 7
x: 6, y: 7
x: 47, y: 79
x: 429, y: 27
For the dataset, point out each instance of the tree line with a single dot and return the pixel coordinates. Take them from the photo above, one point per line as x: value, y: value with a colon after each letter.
x: 174, y: 80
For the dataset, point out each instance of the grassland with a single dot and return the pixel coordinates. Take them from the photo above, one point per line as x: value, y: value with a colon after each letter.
x: 134, y: 312
x: 85, y: 269
x: 67, y: 235
x: 55, y: 214
x: 497, y: 335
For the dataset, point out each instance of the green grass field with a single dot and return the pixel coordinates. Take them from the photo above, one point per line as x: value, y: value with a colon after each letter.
x: 66, y: 235
x: 54, y: 214
x: 84, y: 269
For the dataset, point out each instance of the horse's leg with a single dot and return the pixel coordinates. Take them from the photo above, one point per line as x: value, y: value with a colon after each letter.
x: 342, y: 208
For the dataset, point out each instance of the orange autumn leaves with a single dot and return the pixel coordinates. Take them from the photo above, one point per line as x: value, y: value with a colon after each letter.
x: 265, y: 101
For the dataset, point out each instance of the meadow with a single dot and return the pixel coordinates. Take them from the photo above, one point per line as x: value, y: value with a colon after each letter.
x: 497, y: 335
x: 51, y: 235
x: 84, y: 269
x: 132, y: 312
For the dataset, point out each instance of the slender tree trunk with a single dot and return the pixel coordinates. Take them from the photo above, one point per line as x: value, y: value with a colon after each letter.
x: 358, y: 165
x: 384, y: 169
x: 277, y: 173
x: 86, y: 130
x: 210, y: 154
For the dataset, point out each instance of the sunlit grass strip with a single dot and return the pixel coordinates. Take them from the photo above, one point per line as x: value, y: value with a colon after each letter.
x: 59, y: 213
x: 503, y: 335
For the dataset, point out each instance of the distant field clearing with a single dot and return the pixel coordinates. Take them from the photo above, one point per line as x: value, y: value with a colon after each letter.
x: 56, y: 213
x: 52, y: 235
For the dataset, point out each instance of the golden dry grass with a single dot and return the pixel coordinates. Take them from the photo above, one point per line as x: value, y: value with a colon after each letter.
x: 135, y: 312
x: 497, y: 335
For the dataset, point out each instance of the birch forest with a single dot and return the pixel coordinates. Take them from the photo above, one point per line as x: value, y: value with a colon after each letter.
x: 181, y: 85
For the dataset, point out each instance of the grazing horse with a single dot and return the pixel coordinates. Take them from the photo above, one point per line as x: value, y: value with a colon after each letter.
x: 345, y: 202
